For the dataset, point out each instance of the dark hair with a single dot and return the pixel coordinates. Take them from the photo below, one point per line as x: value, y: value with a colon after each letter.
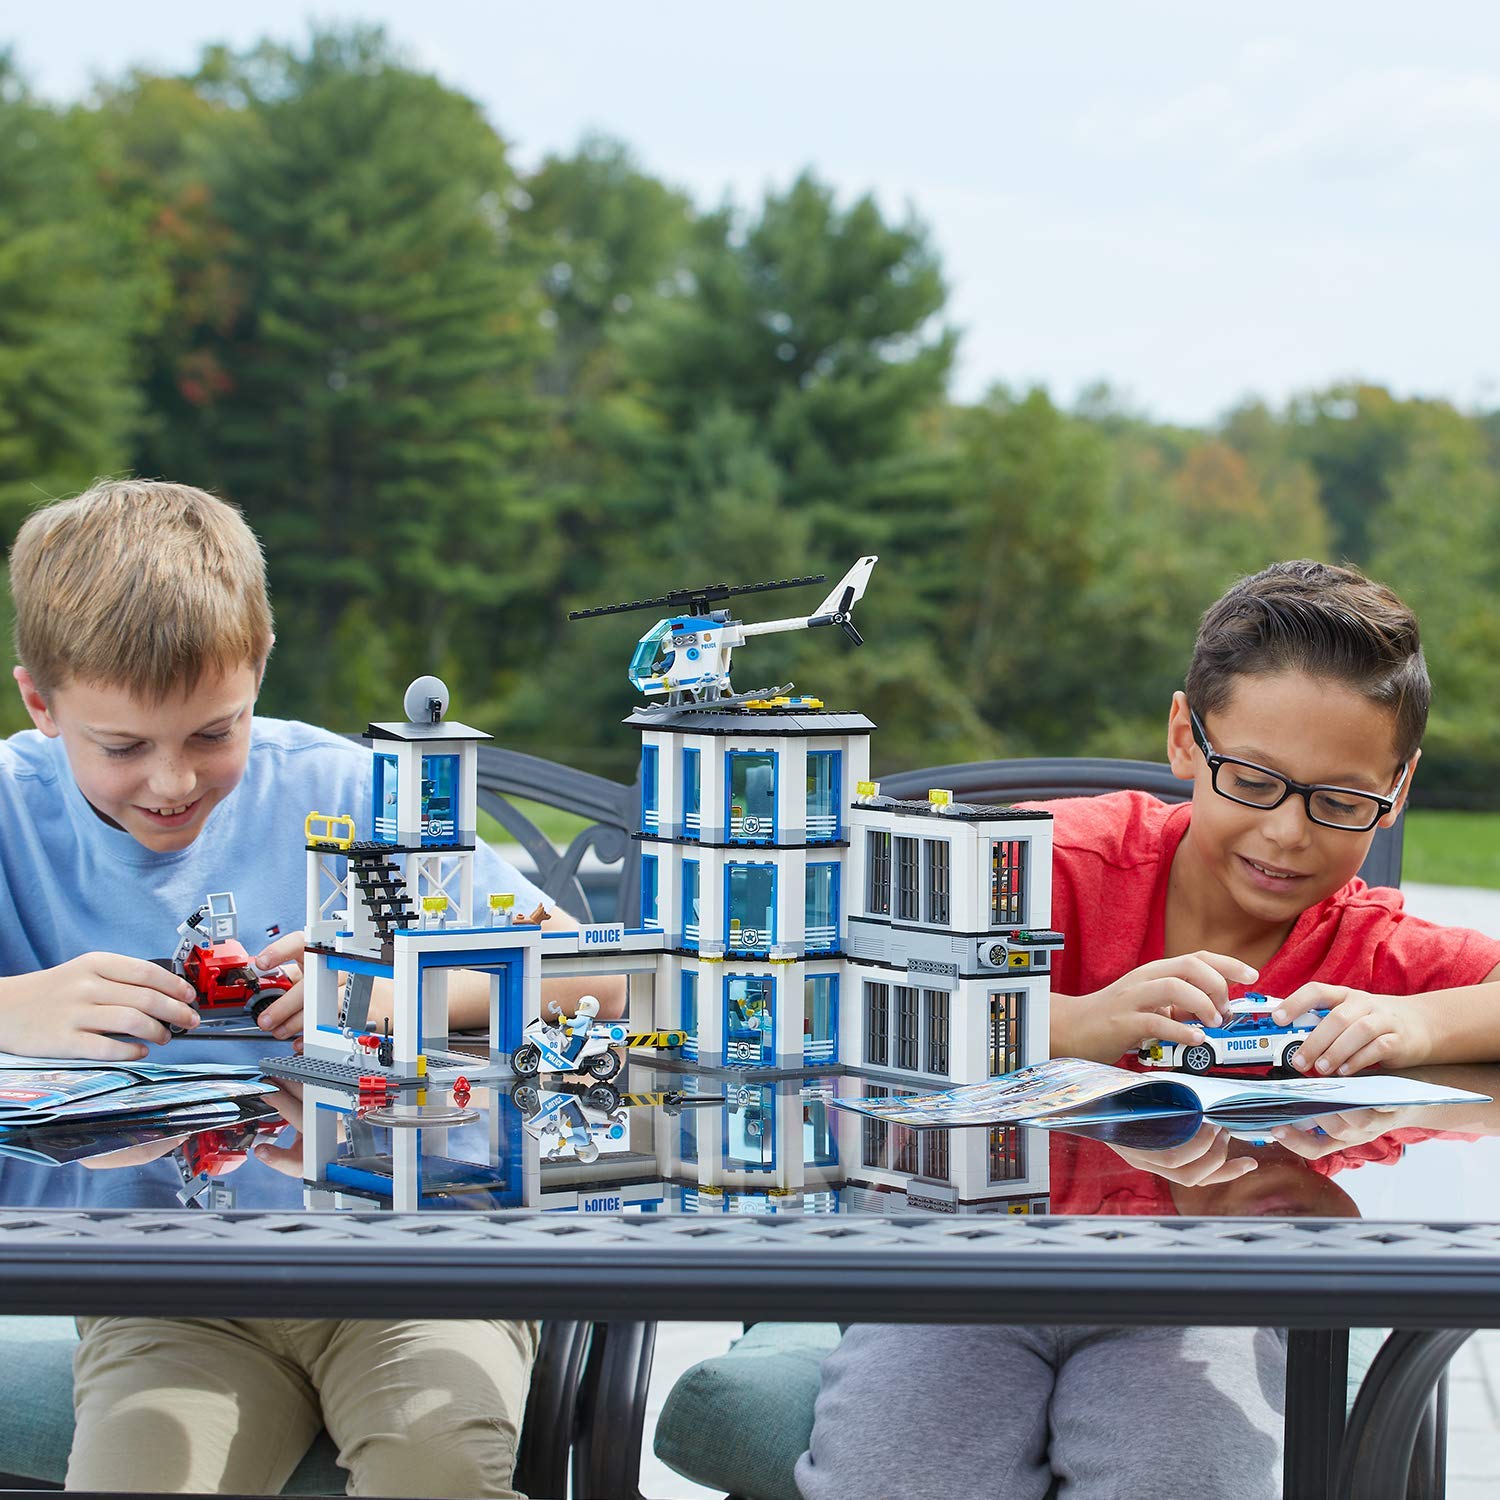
x: 1329, y: 622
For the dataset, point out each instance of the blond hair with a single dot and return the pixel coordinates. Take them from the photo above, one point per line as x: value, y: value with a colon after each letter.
x: 138, y: 584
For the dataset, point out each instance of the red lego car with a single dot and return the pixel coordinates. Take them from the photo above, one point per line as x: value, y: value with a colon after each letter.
x: 212, y: 959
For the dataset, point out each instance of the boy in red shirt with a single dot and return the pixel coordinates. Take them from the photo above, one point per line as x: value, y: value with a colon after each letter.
x: 1300, y: 729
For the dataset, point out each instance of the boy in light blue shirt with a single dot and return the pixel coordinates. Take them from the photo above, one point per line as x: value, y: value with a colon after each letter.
x: 142, y: 633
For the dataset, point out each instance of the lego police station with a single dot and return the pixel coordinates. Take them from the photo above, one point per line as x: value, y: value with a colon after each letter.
x: 791, y: 917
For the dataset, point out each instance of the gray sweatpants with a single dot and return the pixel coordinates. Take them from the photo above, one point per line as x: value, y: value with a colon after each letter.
x: 935, y: 1412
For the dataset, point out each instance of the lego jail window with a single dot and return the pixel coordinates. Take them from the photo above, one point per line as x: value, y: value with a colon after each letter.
x: 690, y: 902
x: 877, y: 1024
x: 938, y: 864
x: 906, y: 1028
x: 748, y: 1018
x: 935, y: 1154
x: 878, y: 874
x: 752, y: 796
x: 1005, y: 1032
x: 908, y: 901
x: 874, y: 1134
x: 820, y: 1018
x: 750, y: 893
x: 1007, y: 1153
x: 935, y: 1003
x: 692, y: 821
x: 439, y: 799
x: 822, y: 795
x: 1007, y: 882
x: 650, y: 812
x: 820, y: 909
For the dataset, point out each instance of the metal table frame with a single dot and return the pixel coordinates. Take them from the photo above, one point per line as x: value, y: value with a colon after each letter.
x: 1431, y: 1282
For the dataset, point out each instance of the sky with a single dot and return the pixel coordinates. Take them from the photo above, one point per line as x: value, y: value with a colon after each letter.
x: 1192, y: 203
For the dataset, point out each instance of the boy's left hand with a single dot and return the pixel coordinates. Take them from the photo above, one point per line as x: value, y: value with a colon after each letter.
x: 283, y: 1017
x: 1360, y: 1030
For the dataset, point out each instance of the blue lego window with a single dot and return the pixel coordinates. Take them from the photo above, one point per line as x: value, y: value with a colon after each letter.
x: 649, y: 916
x: 750, y: 908
x: 689, y: 1022
x: 750, y: 776
x: 691, y: 792
x: 690, y: 903
x: 650, y: 810
x: 820, y: 1143
x: 749, y: 1018
x: 821, y: 909
x: 383, y: 805
x: 439, y: 799
x: 750, y: 1140
x: 822, y: 795
x: 820, y: 1018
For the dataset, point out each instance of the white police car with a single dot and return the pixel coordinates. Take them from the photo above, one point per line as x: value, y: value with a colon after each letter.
x: 1249, y: 1038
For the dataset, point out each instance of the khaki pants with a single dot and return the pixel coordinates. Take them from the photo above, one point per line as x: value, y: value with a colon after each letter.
x: 184, y: 1406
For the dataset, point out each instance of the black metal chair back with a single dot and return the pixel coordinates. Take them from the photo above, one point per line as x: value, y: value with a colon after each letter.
x: 1041, y: 779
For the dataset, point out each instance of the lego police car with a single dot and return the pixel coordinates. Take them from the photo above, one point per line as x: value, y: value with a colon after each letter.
x: 1249, y: 1038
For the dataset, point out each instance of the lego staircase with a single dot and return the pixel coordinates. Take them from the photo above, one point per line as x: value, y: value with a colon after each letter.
x: 382, y: 890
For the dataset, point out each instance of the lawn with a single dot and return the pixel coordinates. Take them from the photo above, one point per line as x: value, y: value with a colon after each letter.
x: 559, y: 826
x: 1452, y: 848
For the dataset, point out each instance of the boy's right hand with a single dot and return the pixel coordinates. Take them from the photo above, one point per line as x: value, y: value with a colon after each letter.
x: 72, y: 1010
x: 1159, y: 1001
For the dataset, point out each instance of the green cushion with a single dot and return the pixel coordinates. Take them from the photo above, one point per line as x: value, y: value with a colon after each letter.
x: 740, y: 1422
x: 36, y: 1409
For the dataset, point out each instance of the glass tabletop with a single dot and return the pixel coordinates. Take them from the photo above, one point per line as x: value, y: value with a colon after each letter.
x: 670, y: 1138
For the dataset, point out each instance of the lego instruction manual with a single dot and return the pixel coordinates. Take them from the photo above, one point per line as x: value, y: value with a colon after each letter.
x: 1067, y: 1091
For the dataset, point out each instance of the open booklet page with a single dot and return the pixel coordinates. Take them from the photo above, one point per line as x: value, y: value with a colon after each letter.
x: 1067, y: 1090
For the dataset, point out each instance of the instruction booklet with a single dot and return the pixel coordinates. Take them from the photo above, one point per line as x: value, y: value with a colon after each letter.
x: 1066, y: 1091
x: 48, y: 1091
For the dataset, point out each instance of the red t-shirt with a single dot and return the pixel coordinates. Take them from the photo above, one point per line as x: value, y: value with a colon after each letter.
x: 1111, y: 856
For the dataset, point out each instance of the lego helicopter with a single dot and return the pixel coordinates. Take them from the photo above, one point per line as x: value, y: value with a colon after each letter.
x: 686, y: 655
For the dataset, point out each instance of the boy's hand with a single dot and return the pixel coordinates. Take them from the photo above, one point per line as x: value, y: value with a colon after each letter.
x: 92, y: 1006
x: 1158, y: 1001
x: 283, y: 1017
x: 1198, y: 1162
x: 1360, y: 1031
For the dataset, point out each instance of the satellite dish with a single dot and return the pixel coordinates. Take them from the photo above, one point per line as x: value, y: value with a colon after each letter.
x: 426, y: 701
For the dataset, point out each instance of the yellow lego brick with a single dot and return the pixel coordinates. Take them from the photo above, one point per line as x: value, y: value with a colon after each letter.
x: 421, y: 1065
x: 867, y: 788
x: 502, y: 900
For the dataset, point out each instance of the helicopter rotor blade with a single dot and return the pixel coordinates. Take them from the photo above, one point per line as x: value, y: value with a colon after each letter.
x: 851, y: 632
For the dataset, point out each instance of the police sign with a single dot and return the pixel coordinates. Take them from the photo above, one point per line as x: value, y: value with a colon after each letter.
x: 602, y: 935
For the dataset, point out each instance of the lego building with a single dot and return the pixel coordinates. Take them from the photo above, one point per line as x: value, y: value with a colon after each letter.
x: 805, y: 920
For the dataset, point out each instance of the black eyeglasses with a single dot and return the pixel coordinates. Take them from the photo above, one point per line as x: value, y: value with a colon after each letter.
x: 1251, y: 785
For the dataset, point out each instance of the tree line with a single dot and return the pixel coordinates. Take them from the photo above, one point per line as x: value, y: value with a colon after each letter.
x: 456, y: 399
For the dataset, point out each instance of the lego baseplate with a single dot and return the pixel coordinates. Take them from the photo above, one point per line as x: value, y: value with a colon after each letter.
x: 442, y: 1068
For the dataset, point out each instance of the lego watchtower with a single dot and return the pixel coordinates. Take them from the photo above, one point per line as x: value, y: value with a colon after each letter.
x: 399, y: 905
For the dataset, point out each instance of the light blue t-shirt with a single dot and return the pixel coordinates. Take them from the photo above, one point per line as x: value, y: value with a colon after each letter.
x: 70, y: 883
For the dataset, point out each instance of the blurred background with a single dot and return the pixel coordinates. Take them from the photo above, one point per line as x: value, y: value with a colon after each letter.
x: 484, y: 312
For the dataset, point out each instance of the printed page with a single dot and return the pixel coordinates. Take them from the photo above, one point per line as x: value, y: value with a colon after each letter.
x: 1029, y: 1096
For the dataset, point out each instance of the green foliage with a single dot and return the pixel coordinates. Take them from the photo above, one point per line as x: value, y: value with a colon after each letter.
x: 456, y: 400
x: 71, y: 301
